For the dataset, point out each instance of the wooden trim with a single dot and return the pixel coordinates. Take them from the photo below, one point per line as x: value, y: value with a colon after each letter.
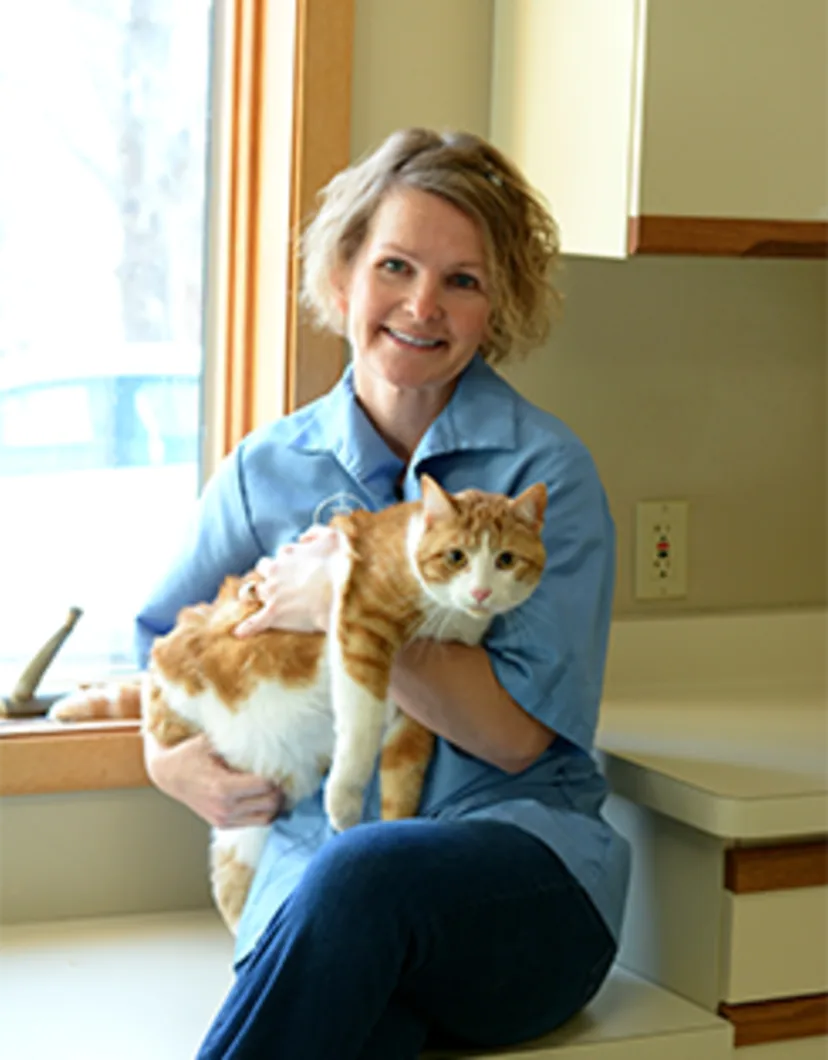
x: 274, y: 360
x: 241, y: 245
x: 321, y: 147
x: 732, y: 237
x: 39, y: 758
x: 761, y: 1022
x: 633, y: 235
x: 749, y: 870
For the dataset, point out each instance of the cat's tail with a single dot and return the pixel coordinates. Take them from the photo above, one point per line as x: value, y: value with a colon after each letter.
x: 100, y: 700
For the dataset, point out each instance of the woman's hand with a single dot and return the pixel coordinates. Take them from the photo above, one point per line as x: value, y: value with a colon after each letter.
x: 295, y: 589
x: 193, y: 774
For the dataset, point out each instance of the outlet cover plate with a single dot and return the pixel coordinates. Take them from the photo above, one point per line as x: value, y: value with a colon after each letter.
x: 661, y: 549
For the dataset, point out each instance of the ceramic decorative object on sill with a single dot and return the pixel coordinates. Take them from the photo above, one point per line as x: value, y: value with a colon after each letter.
x: 23, y: 703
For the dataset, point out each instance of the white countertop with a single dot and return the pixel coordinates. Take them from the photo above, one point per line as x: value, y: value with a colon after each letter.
x: 734, y: 769
x: 737, y: 743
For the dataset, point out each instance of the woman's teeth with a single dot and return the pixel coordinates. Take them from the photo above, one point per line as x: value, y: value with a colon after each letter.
x: 411, y: 340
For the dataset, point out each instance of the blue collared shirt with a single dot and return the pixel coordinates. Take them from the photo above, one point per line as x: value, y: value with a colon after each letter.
x: 548, y: 654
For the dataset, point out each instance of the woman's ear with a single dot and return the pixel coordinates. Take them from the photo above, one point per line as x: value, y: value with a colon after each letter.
x: 340, y: 282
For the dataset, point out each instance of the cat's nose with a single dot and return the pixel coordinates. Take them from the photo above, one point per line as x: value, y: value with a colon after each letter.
x: 481, y: 594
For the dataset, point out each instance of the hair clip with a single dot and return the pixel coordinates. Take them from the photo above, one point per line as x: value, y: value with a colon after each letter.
x: 494, y: 178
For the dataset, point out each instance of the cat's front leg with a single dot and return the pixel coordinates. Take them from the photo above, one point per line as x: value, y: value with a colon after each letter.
x: 359, y: 723
x: 362, y: 643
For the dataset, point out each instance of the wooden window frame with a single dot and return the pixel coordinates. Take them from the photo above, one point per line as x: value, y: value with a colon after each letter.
x: 281, y: 104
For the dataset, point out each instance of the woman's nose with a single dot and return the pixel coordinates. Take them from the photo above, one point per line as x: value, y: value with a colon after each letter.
x: 424, y: 300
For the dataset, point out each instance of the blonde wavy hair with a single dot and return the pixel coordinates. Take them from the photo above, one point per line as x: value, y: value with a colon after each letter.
x: 520, y: 237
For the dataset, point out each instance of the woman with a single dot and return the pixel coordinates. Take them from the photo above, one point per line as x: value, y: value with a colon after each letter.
x: 494, y: 915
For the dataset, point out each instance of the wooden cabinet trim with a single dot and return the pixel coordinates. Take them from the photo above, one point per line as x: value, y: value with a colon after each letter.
x: 728, y: 237
x: 42, y: 758
x: 749, y: 870
x: 633, y: 235
x: 761, y: 1022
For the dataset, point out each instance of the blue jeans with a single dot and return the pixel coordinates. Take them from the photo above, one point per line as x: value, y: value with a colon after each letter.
x: 408, y: 933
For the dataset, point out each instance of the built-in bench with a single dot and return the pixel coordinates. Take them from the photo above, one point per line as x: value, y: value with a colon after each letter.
x: 146, y: 988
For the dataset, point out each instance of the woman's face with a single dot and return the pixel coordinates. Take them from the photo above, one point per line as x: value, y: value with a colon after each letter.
x: 416, y: 298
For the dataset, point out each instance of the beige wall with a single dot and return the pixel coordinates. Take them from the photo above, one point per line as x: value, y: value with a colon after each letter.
x: 694, y: 378
x: 702, y: 379
x: 420, y: 62
x: 100, y: 853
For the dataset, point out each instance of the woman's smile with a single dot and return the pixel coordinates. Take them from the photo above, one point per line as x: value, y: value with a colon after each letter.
x: 407, y: 339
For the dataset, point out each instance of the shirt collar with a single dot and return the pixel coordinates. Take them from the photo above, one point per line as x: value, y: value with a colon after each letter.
x: 481, y: 415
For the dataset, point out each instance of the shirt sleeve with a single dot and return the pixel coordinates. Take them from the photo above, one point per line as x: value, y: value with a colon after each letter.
x: 550, y: 653
x: 220, y: 541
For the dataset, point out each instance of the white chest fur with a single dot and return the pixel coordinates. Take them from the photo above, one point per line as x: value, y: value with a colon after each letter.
x: 276, y: 732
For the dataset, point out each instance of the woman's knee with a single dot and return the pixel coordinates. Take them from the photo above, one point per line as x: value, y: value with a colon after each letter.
x: 359, y: 871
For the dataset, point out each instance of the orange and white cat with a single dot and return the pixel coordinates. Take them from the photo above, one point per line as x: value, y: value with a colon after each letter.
x: 289, y: 705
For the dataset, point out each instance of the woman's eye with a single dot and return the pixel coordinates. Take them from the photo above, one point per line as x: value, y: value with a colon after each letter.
x: 393, y: 265
x: 505, y: 560
x: 456, y: 558
x: 465, y: 281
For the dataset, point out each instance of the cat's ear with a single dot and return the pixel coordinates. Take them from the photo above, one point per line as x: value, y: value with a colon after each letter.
x: 437, y: 504
x: 530, y: 506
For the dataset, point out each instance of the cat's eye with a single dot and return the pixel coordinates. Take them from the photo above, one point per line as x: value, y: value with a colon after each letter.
x: 505, y: 560
x: 456, y: 558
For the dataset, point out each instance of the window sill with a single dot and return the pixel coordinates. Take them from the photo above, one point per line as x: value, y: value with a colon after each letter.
x: 43, y: 758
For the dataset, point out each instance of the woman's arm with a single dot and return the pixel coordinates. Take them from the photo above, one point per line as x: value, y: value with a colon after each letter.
x: 452, y: 690
x: 219, y: 540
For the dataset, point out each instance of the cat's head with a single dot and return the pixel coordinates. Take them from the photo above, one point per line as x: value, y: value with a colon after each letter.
x: 478, y: 552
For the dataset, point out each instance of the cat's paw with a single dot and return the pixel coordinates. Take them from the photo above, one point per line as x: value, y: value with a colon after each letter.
x: 343, y: 805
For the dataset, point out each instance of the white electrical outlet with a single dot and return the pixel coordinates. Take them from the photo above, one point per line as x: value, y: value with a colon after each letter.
x: 660, y: 549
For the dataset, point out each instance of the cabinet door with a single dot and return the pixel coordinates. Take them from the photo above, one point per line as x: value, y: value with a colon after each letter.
x: 669, y: 126
x: 774, y: 945
x: 736, y: 110
x: 566, y: 87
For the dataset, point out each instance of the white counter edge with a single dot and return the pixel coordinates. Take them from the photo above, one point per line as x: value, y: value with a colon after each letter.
x: 718, y: 815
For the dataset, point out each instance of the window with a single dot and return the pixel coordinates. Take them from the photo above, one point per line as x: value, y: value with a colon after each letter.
x: 103, y: 200
x: 274, y: 89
